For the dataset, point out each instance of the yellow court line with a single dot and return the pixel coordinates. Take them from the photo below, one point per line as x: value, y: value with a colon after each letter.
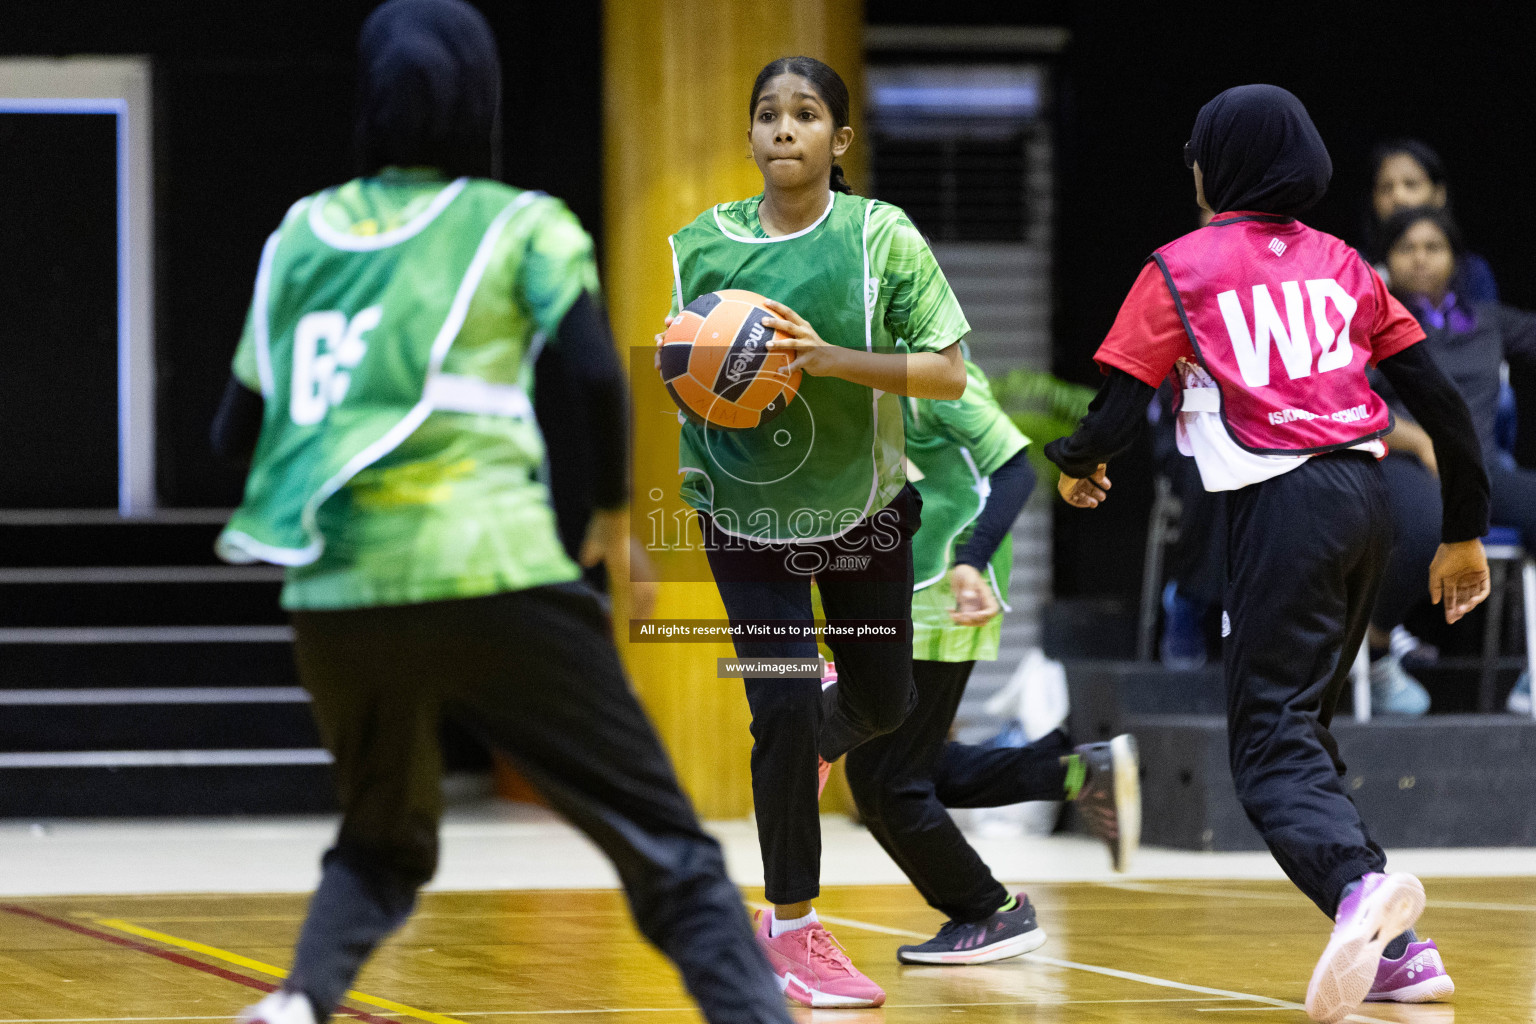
x: 256, y: 965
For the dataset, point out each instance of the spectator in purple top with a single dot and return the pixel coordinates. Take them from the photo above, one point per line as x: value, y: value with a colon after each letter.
x: 1407, y: 173
x: 1471, y: 340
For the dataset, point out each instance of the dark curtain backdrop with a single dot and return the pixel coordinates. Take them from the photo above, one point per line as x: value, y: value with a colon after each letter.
x: 253, y: 109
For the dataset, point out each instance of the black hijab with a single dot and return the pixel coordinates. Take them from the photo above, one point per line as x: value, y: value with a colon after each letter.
x: 1258, y: 150
x: 429, y: 89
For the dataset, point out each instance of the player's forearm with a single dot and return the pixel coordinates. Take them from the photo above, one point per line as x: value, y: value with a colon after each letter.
x: 1432, y: 399
x: 938, y: 375
x: 1117, y: 414
x: 1010, y: 487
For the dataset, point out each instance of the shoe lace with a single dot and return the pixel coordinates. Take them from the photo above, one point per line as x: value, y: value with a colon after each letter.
x: 821, y: 947
x: 951, y: 932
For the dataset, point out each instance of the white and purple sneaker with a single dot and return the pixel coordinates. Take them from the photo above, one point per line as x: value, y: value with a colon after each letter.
x: 1380, y: 909
x: 1418, y: 976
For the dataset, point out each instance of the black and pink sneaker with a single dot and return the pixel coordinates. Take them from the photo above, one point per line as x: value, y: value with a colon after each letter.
x: 1005, y: 934
x: 1418, y: 976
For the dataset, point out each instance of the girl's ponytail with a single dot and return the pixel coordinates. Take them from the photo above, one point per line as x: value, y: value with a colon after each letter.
x: 838, y: 182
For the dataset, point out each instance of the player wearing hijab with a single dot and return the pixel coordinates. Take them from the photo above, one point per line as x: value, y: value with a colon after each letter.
x: 381, y: 381
x: 1277, y: 411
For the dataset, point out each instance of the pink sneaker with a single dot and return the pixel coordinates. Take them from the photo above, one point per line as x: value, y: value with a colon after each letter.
x: 1418, y: 976
x: 812, y: 968
x: 1378, y: 911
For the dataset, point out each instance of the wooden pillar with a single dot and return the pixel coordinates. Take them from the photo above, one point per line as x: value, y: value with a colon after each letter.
x: 677, y: 78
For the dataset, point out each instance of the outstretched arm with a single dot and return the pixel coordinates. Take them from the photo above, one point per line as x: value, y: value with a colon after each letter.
x: 1115, y: 416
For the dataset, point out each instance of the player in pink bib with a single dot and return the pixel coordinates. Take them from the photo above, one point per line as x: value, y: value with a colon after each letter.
x: 1268, y: 327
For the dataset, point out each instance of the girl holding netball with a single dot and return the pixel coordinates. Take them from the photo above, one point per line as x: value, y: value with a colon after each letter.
x: 820, y: 491
x: 380, y: 391
x: 1276, y: 410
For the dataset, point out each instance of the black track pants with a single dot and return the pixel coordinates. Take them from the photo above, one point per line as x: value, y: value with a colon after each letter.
x: 1305, y: 555
x: 536, y: 673
x: 904, y: 780
x: 792, y: 720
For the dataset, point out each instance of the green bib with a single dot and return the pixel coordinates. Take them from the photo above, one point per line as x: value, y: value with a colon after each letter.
x: 350, y: 333
x: 954, y: 447
x: 835, y: 454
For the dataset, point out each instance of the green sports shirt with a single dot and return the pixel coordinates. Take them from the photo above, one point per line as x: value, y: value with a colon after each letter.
x: 955, y: 447
x: 863, y: 276
x: 392, y: 336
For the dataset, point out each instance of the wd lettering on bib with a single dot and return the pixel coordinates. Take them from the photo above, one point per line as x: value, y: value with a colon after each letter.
x: 1292, y: 339
x: 1273, y: 332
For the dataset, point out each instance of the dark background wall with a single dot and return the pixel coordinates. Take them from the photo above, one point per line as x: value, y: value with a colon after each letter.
x: 254, y: 105
x: 59, y: 293
x: 253, y: 108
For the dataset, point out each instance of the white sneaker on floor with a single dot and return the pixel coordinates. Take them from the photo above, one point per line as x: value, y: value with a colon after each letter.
x: 279, y: 1008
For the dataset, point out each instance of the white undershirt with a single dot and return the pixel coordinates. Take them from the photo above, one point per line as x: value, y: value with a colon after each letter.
x: 1224, y: 465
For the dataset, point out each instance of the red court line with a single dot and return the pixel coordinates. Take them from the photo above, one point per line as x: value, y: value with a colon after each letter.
x: 175, y: 958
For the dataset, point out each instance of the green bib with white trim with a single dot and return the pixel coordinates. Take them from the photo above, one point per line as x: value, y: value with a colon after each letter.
x: 834, y: 455
x: 382, y: 475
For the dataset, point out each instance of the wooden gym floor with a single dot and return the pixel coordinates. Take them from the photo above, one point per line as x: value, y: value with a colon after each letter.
x: 1138, y: 951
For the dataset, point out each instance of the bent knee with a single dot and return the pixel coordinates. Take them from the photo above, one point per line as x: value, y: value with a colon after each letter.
x: 883, y: 798
x: 885, y: 718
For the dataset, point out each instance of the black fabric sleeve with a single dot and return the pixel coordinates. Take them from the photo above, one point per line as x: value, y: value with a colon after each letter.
x: 1115, y: 416
x: 237, y: 424
x: 1011, y: 484
x: 586, y: 345
x: 1433, y: 401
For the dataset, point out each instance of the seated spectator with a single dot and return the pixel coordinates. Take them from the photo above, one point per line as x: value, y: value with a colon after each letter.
x: 1470, y: 340
x: 1406, y: 173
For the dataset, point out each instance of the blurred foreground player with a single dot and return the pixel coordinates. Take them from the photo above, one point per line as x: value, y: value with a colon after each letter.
x: 1276, y: 409
x: 384, y: 364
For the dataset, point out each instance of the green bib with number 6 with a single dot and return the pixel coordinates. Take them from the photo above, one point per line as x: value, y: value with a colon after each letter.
x: 350, y: 333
